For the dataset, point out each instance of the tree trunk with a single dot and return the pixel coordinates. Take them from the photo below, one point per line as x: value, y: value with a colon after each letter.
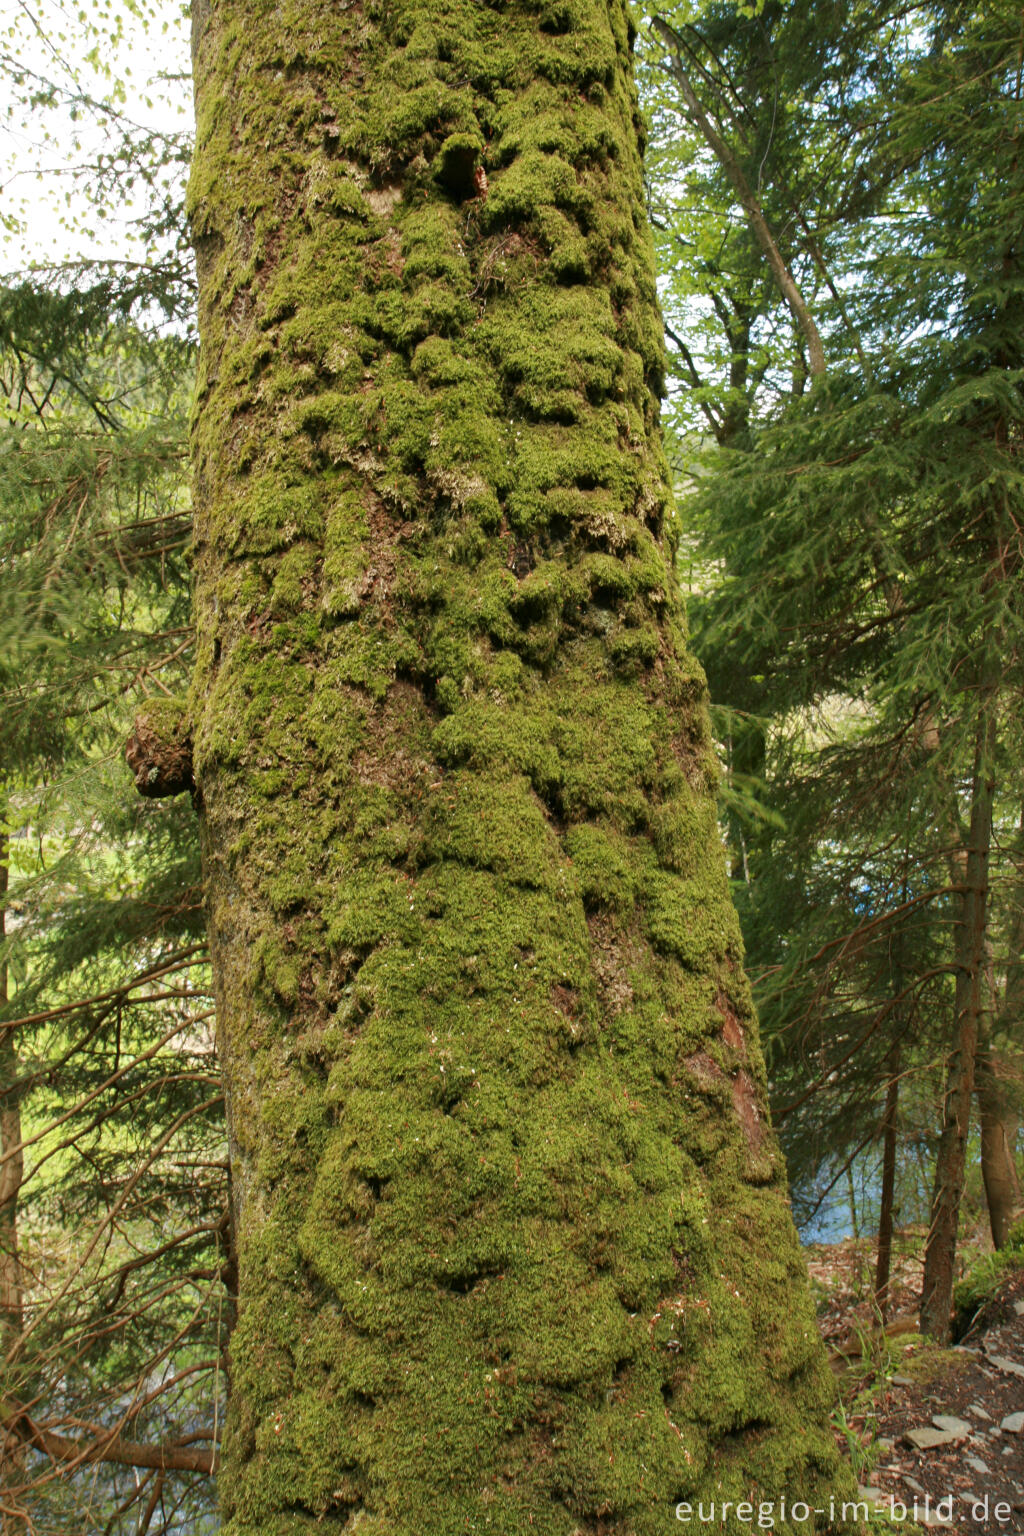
x: 12, y: 1169
x: 514, y: 1249
x: 1000, y: 1125
x: 999, y: 1086
x: 883, y: 1262
x: 969, y: 1004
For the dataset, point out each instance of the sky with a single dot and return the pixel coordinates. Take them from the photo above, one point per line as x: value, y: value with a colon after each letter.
x: 76, y: 81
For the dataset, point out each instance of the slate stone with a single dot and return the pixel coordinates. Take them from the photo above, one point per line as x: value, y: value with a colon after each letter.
x: 926, y: 1439
x: 951, y: 1424
x: 1008, y: 1367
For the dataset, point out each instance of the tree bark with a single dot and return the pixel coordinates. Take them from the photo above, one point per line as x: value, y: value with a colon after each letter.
x: 883, y: 1261
x: 513, y: 1243
x: 969, y: 1006
x: 99, y: 1444
x: 1000, y: 1126
x: 12, y: 1171
x: 999, y: 1085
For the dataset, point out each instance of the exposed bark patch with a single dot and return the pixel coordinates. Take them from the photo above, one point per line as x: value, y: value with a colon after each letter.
x: 744, y: 1098
x: 706, y: 1071
x: 386, y: 761
x: 520, y: 559
x: 383, y: 200
x: 732, y: 1032
x: 610, y: 957
x: 393, y: 252
x: 380, y: 574
x: 565, y: 1000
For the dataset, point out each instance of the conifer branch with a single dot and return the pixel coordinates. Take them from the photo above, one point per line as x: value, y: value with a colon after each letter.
x: 748, y: 198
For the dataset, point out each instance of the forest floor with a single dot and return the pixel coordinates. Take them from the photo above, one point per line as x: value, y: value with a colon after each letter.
x: 939, y: 1428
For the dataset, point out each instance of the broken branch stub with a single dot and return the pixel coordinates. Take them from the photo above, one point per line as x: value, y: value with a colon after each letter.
x: 159, y: 749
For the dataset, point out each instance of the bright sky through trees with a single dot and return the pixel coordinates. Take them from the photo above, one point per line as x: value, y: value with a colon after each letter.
x: 82, y: 83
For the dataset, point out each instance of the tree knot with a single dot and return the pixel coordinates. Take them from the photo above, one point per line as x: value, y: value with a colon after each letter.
x: 159, y: 750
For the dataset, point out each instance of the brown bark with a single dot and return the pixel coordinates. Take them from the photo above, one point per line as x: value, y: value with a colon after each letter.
x: 12, y: 1170
x: 998, y: 1091
x: 999, y: 1078
x: 159, y: 750
x: 969, y: 1006
x: 885, y: 1215
x: 100, y: 1445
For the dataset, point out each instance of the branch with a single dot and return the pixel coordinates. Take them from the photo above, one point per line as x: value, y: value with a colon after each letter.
x: 695, y: 378
x: 801, y: 314
x: 101, y: 1445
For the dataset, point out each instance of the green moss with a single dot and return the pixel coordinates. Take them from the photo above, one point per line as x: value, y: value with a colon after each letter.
x: 686, y: 919
x: 680, y: 828
x: 292, y: 578
x: 169, y: 720
x: 985, y: 1274
x: 601, y: 862
x: 511, y: 1256
x: 928, y: 1362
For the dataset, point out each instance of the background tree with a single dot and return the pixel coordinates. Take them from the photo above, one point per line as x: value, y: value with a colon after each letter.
x: 112, y: 1150
x: 869, y: 538
x: 113, y: 1171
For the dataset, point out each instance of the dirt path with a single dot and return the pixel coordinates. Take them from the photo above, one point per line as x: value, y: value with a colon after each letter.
x: 949, y: 1428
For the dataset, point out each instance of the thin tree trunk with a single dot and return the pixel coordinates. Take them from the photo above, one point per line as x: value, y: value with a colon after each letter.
x: 851, y: 1200
x: 999, y: 1086
x: 883, y: 1262
x: 969, y: 1005
x: 751, y: 203
x: 11, y: 1175
x: 1000, y: 1125
x: 513, y: 1247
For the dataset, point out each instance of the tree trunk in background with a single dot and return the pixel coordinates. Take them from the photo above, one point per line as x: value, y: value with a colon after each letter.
x: 998, y: 1095
x: 12, y: 1168
x: 514, y: 1249
x: 969, y: 1006
x: 883, y: 1261
x: 999, y: 1086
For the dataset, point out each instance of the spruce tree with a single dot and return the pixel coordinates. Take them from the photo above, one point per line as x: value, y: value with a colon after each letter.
x: 112, y: 1236
x: 513, y: 1241
x: 869, y: 538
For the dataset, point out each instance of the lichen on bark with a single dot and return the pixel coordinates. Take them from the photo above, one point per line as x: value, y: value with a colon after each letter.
x: 513, y: 1244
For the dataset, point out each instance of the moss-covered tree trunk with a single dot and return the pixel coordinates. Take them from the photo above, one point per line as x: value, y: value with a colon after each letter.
x: 512, y: 1235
